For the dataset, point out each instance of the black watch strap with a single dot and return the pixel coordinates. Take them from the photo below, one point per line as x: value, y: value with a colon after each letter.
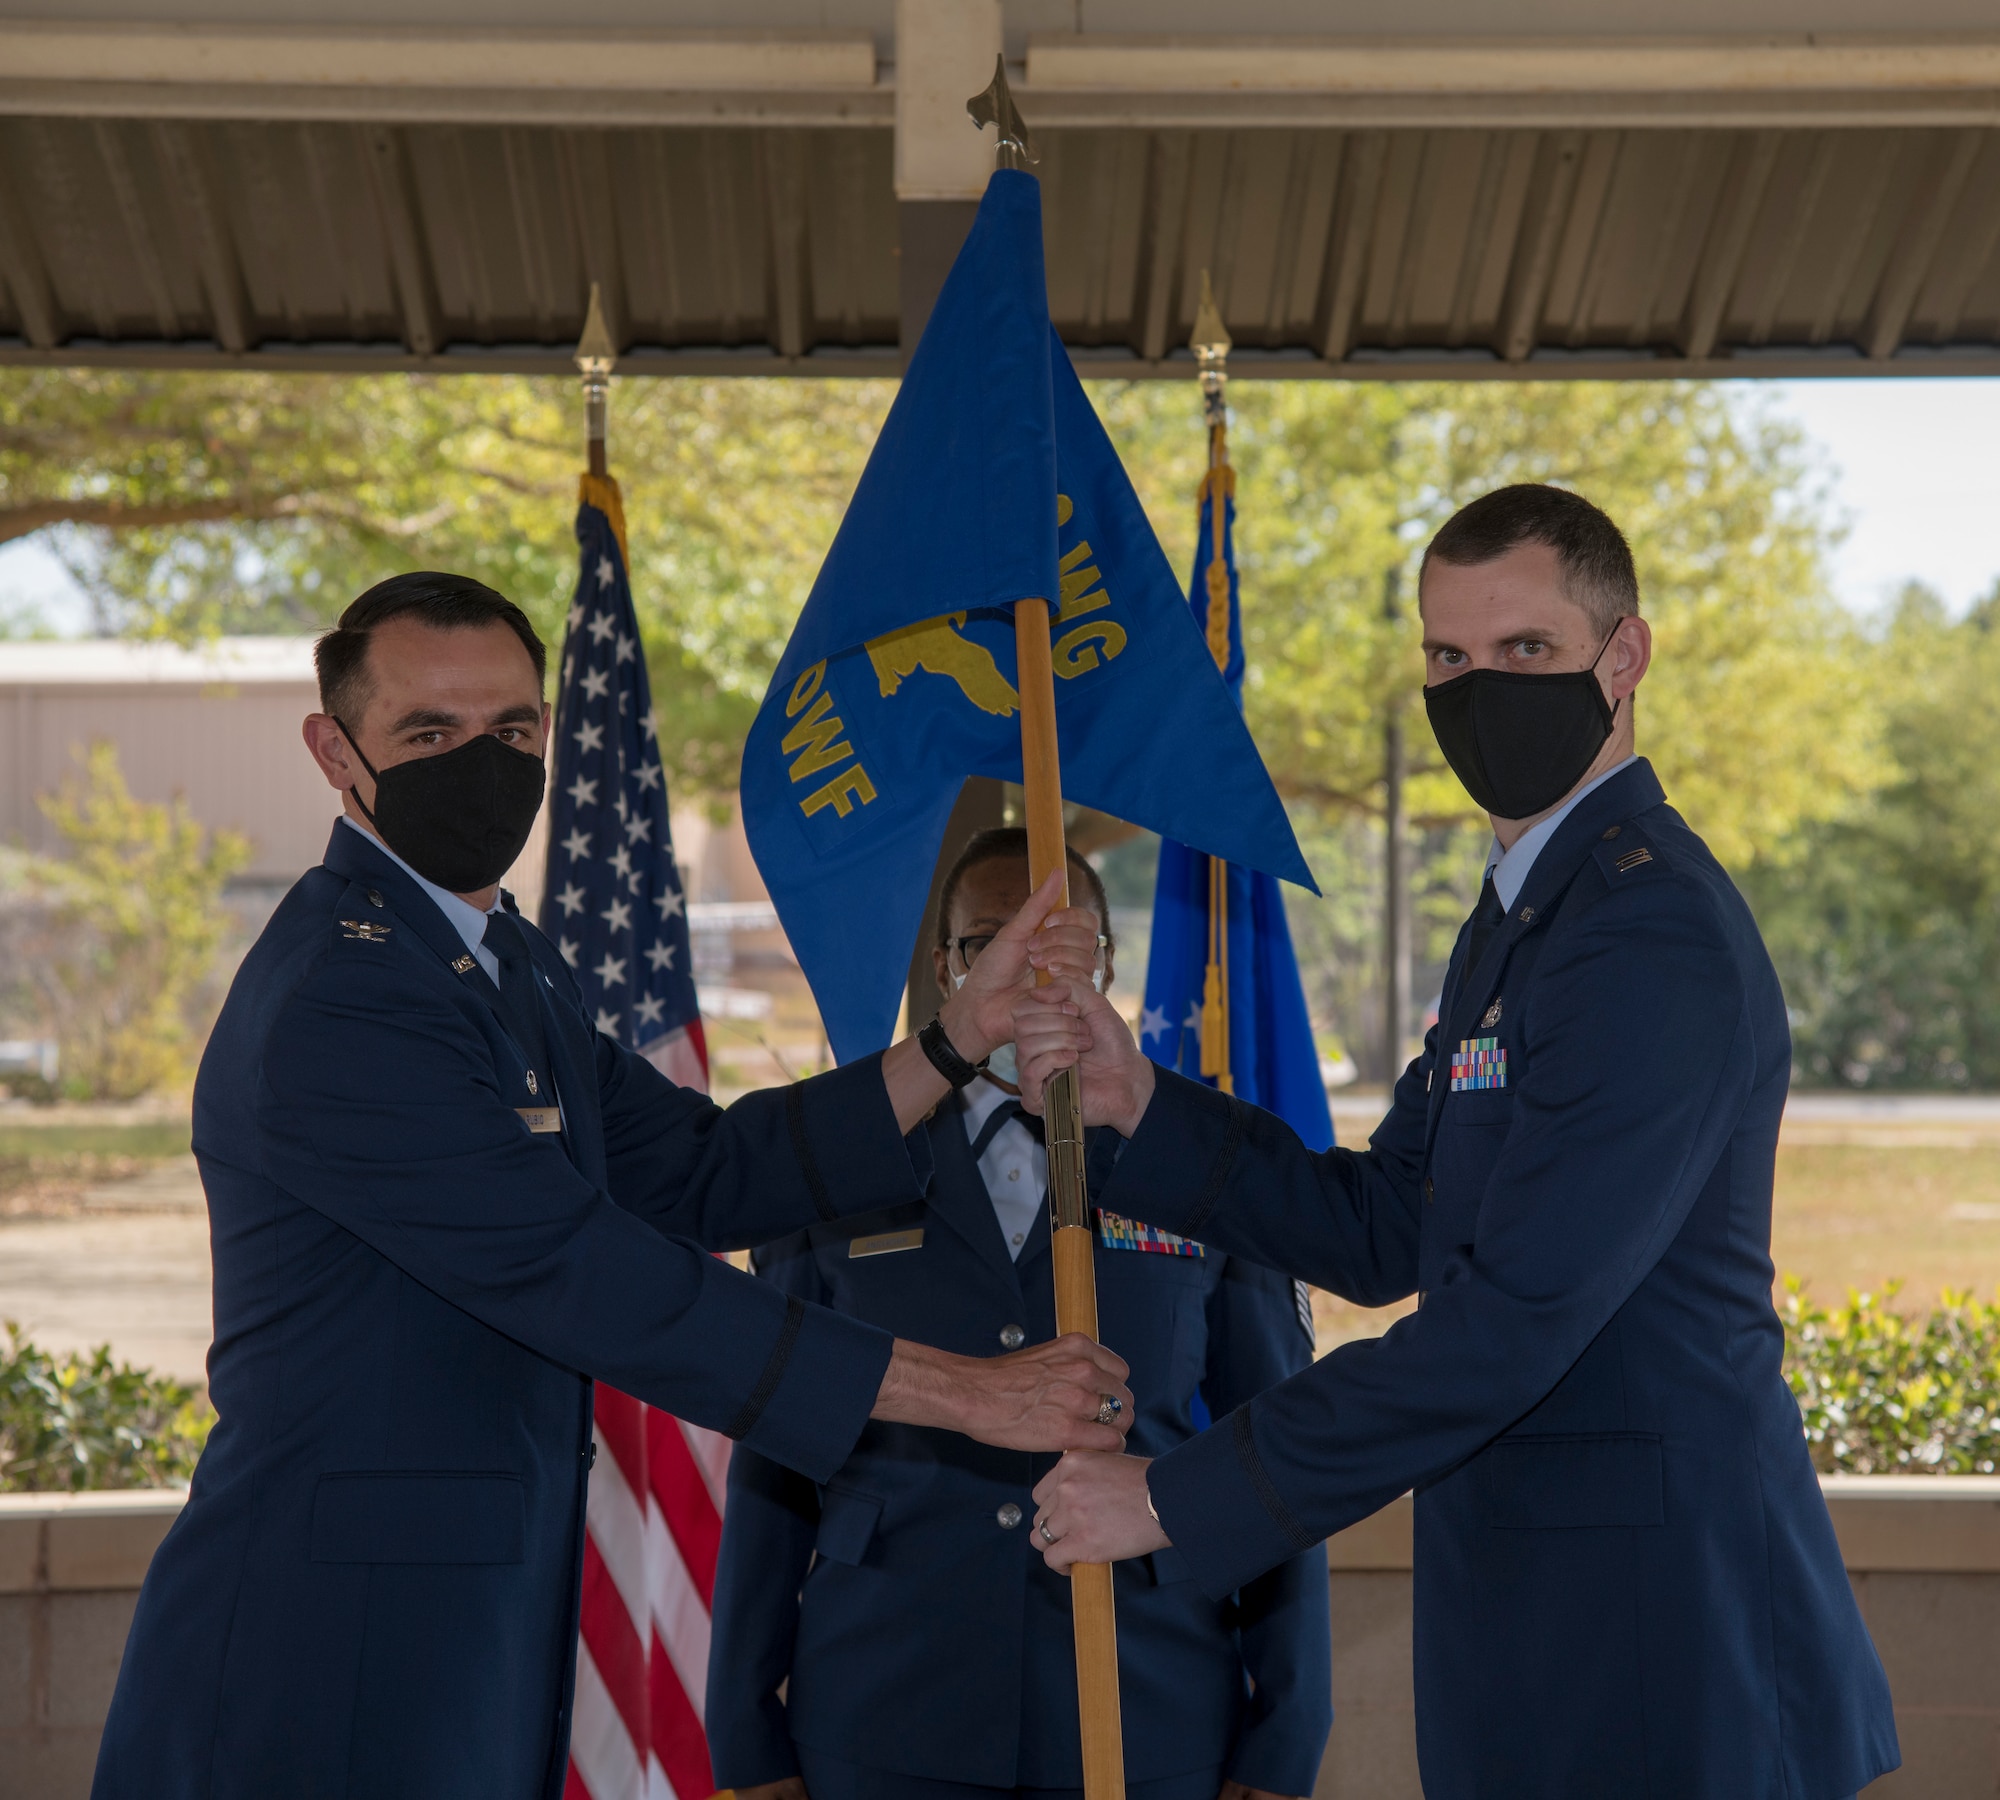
x: 947, y: 1061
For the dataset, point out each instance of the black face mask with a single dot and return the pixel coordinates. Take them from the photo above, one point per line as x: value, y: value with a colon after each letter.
x: 1520, y: 742
x: 458, y: 819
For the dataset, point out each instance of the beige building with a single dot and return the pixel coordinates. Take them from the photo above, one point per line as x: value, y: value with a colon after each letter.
x: 218, y: 726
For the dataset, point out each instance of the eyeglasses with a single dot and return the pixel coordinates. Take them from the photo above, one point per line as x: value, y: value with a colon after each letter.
x: 970, y: 948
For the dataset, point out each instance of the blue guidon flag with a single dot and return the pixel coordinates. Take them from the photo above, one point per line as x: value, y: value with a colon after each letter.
x: 992, y: 481
x: 612, y: 900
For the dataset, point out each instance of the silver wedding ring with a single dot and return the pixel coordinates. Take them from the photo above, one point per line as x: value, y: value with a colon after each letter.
x: 1047, y: 1536
x: 1111, y: 1408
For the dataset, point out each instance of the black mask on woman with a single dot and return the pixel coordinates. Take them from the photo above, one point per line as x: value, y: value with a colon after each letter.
x: 460, y: 818
x: 1520, y: 742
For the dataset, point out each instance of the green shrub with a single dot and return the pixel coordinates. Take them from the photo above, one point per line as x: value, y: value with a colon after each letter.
x: 74, y: 1422
x: 1883, y: 1393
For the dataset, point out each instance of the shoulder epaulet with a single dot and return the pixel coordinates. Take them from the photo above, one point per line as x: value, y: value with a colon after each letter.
x: 1625, y: 853
x: 362, y: 916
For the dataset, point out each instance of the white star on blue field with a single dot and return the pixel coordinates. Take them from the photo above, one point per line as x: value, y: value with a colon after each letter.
x: 614, y: 905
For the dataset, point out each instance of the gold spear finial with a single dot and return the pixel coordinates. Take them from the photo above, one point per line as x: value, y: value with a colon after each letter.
x: 995, y: 107
x: 595, y: 356
x: 1210, y: 341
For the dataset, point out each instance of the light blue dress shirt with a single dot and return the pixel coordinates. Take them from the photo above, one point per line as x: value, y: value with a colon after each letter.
x: 1509, y: 868
x: 466, y: 919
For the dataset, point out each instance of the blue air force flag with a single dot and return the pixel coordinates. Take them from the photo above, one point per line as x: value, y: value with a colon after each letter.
x: 992, y: 481
x: 1273, y: 1060
x: 612, y: 900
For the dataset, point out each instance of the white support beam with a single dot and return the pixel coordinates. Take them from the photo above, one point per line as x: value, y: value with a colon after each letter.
x: 1816, y: 62
x: 419, y: 56
x: 944, y: 53
x: 1106, y: 79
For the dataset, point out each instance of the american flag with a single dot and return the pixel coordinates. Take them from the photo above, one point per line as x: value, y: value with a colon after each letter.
x: 614, y: 905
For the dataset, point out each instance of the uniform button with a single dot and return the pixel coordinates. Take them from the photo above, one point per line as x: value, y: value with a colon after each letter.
x: 1020, y: 1237
x: 592, y: 1463
x: 1013, y: 1174
x: 1009, y: 1516
x: 1012, y: 1337
x: 374, y: 898
x: 1612, y: 833
x: 1430, y: 1189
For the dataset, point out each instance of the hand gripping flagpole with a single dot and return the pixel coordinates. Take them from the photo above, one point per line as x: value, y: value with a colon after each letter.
x: 1062, y: 1108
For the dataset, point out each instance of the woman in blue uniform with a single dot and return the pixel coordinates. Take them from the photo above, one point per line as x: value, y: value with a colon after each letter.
x: 892, y: 1635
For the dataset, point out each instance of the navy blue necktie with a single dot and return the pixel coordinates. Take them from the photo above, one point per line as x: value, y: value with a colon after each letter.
x: 520, y: 1005
x: 1487, y: 918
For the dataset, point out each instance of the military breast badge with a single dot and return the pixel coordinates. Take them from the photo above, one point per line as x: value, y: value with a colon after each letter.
x: 1478, y: 1063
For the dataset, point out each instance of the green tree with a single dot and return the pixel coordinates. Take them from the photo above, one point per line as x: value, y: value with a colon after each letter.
x: 1758, y: 712
x: 193, y: 504
x: 188, y: 505
x: 140, y: 898
x: 1885, y: 920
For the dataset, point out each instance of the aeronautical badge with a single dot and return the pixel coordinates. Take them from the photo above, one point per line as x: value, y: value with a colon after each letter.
x: 1478, y: 1063
x: 1492, y: 1015
x: 1115, y: 1232
x: 364, y: 929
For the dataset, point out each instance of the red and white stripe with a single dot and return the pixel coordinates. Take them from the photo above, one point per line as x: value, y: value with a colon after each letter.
x: 652, y: 1527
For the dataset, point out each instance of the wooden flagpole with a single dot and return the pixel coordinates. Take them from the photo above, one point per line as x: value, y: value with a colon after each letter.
x: 1062, y: 1106
x: 1211, y: 344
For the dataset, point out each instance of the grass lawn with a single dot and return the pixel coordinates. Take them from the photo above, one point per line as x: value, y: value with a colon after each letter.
x: 46, y: 1168
x: 1846, y: 1215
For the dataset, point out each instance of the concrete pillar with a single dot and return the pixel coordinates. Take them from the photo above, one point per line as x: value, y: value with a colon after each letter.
x: 944, y: 55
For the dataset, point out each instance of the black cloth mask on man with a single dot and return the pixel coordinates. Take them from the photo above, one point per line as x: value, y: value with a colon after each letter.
x: 459, y: 818
x: 1520, y: 742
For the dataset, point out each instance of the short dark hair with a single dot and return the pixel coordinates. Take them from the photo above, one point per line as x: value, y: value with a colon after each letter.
x: 443, y: 602
x: 1596, y: 561
x: 1009, y: 843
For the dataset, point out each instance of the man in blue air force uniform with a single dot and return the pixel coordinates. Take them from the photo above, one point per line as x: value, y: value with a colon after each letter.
x: 1626, y: 1579
x: 440, y: 1203
x: 929, y: 1654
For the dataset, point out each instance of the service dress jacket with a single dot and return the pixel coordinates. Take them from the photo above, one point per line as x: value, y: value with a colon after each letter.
x: 1626, y: 1579
x: 903, y: 1598
x: 372, y: 1590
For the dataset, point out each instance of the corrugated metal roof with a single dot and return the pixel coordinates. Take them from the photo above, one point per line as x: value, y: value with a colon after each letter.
x: 743, y: 248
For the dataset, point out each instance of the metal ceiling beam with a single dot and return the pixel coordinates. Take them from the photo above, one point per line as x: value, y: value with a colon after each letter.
x: 23, y: 270
x: 396, y: 204
x: 1917, y: 248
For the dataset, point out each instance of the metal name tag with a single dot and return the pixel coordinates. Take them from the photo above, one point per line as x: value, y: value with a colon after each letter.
x: 540, y: 1118
x: 886, y: 1243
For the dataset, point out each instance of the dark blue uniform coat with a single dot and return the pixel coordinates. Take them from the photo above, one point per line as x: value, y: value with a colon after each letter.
x: 1626, y: 1580
x: 928, y: 1637
x: 372, y: 1591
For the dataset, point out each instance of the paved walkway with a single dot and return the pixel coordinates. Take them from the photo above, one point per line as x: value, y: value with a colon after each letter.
x: 130, y: 1268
